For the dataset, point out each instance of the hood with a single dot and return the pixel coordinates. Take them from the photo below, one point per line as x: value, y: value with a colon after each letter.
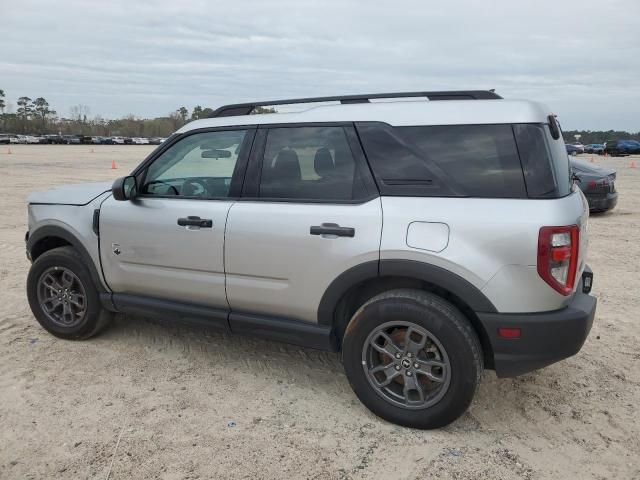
x: 78, y: 194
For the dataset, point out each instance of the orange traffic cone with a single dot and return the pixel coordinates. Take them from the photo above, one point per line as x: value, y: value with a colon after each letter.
x: 113, y: 165
x: 632, y: 164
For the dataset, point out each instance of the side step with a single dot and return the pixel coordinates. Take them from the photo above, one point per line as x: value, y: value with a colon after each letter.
x: 304, y: 334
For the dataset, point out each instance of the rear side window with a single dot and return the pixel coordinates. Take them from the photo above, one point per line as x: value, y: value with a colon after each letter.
x: 310, y: 163
x: 452, y: 160
x: 536, y: 160
x: 544, y: 161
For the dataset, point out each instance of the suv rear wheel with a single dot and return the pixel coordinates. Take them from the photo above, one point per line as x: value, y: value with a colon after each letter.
x: 412, y: 358
x: 63, y: 297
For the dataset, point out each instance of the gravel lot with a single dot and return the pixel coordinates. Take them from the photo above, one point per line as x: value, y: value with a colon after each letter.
x: 154, y: 400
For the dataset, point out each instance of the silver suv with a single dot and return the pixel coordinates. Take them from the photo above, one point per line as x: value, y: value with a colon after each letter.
x: 424, y: 240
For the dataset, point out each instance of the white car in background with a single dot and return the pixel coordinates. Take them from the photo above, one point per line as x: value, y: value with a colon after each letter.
x: 32, y: 139
x: 118, y: 140
x: 579, y: 146
x: 140, y: 141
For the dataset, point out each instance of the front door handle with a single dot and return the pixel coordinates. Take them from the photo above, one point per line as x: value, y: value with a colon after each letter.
x: 332, y: 229
x: 191, y: 221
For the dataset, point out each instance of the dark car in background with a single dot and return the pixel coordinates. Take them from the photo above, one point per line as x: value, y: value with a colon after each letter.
x: 54, y: 139
x: 618, y: 148
x: 4, y: 139
x: 594, y: 148
x: 70, y: 140
x: 597, y: 183
x: 633, y: 146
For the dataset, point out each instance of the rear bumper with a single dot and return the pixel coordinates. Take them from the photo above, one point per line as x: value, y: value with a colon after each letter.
x: 602, y: 202
x: 546, y: 337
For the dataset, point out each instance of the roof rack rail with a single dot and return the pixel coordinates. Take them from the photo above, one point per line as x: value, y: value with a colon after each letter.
x: 247, y: 108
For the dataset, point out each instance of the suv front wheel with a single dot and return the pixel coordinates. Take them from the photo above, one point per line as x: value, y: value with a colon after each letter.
x: 62, y: 295
x: 412, y: 358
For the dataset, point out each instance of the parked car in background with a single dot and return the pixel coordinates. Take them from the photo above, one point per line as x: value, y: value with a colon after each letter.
x: 633, y: 146
x: 4, y: 139
x: 71, y: 140
x: 619, y: 148
x: 54, y: 139
x: 156, y: 140
x: 117, y: 140
x: 579, y: 146
x: 32, y: 139
x: 594, y: 148
x: 572, y: 149
x: 140, y: 141
x: 14, y: 139
x: 597, y: 183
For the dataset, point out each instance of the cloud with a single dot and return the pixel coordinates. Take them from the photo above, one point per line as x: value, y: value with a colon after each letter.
x: 148, y: 58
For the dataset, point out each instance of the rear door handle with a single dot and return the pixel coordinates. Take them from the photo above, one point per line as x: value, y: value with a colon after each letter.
x: 332, y: 229
x: 195, y: 222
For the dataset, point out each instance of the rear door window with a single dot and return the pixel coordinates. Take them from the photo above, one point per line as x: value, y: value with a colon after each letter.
x: 310, y: 163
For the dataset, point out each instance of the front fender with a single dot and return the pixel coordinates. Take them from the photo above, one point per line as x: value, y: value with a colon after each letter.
x: 43, y: 232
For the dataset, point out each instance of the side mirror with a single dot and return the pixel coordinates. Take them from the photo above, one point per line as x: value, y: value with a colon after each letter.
x: 125, y: 188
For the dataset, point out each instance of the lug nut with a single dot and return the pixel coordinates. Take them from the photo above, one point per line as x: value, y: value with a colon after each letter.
x: 409, y: 373
x: 398, y: 355
x: 409, y: 355
x: 416, y: 365
x: 397, y: 367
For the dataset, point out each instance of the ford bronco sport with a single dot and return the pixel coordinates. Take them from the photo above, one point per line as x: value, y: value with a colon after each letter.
x: 424, y: 240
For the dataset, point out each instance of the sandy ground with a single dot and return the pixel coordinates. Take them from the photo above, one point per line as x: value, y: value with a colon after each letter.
x: 153, y: 400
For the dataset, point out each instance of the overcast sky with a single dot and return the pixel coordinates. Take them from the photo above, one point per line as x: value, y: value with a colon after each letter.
x: 580, y: 57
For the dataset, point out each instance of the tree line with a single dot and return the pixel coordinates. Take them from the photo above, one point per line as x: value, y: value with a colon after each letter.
x: 35, y: 116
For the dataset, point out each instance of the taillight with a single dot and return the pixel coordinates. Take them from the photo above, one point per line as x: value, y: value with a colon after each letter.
x: 592, y: 185
x: 558, y: 257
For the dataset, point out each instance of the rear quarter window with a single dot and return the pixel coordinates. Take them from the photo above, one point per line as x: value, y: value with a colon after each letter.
x: 451, y: 160
x: 537, y: 160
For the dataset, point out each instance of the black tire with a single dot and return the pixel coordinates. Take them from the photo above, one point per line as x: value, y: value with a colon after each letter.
x: 94, y: 317
x: 441, y: 320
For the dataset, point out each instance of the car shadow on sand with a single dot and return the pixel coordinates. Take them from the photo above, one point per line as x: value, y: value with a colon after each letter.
x: 526, y: 400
